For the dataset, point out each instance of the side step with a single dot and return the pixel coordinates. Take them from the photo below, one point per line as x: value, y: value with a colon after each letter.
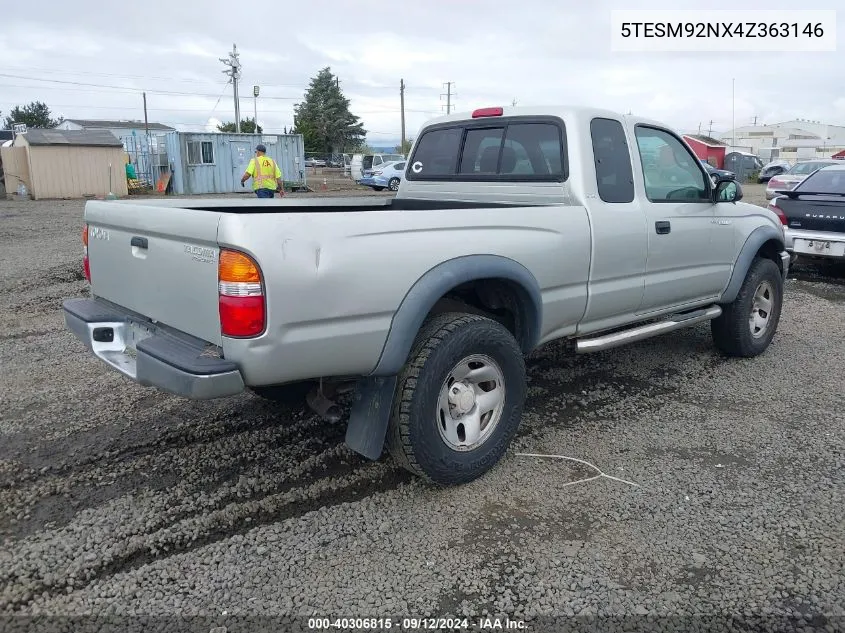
x: 617, y: 339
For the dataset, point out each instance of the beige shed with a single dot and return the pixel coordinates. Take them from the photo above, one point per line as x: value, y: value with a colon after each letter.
x: 70, y: 163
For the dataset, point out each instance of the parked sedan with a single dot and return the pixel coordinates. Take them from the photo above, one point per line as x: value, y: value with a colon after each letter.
x: 794, y: 175
x: 384, y: 176
x: 813, y: 214
x: 718, y: 173
x: 774, y: 168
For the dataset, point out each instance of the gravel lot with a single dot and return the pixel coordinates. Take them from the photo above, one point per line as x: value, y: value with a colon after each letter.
x: 119, y: 500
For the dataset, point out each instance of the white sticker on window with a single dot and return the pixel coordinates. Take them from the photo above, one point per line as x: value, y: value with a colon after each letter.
x: 417, y: 167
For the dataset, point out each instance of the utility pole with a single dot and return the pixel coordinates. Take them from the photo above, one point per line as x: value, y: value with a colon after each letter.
x: 513, y: 103
x: 733, y: 112
x: 255, y: 107
x: 755, y: 120
x: 448, y: 96
x: 234, y: 73
x: 699, y: 129
x: 402, y: 106
x: 710, y: 131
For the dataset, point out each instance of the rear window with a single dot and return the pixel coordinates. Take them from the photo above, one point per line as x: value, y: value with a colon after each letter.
x: 614, y: 173
x: 515, y: 149
x: 824, y: 181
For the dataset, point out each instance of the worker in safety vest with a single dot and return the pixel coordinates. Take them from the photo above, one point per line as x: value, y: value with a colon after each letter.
x: 265, y: 173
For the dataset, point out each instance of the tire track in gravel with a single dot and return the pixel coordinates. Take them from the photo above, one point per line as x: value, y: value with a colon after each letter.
x: 303, y: 496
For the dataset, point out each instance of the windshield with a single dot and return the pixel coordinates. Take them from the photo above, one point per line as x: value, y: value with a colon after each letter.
x: 802, y: 169
x: 824, y: 181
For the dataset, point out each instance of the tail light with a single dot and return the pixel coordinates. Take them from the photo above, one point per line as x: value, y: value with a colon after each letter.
x: 86, y: 266
x: 775, y: 183
x: 773, y: 205
x: 241, y: 295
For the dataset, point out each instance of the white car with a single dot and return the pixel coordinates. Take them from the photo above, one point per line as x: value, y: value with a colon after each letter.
x: 387, y: 176
x: 789, y: 179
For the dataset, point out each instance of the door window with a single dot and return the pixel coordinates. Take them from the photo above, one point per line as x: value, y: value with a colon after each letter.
x: 614, y: 174
x: 671, y: 172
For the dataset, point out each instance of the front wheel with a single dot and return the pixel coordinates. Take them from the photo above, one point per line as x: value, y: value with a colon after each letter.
x: 459, y: 399
x: 746, y: 326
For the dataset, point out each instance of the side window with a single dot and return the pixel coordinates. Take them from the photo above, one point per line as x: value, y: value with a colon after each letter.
x: 481, y: 151
x: 399, y: 166
x: 670, y: 171
x: 532, y: 149
x: 437, y: 153
x: 614, y: 174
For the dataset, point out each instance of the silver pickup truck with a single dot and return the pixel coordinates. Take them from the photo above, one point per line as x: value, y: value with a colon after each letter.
x: 511, y: 228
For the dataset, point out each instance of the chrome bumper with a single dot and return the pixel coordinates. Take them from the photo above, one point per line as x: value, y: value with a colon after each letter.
x: 790, y: 235
x: 149, y: 354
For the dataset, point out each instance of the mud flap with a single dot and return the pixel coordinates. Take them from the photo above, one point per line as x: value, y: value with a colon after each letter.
x: 370, y: 414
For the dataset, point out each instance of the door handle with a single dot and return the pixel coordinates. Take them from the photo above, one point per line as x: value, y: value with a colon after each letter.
x: 140, y: 242
x: 662, y: 228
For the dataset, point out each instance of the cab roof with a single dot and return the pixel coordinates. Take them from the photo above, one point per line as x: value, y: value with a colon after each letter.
x: 570, y: 112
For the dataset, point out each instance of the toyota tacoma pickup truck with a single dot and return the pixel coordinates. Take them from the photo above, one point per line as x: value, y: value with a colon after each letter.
x: 511, y: 228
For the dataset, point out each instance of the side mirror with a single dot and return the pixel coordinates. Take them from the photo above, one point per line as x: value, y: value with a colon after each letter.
x: 727, y: 190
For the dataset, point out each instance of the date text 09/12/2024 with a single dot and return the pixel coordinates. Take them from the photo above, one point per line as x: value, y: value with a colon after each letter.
x: 415, y: 624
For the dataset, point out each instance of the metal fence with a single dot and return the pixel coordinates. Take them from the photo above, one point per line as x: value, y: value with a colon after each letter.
x: 148, y: 158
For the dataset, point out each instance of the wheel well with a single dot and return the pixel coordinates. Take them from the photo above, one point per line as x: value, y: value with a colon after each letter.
x: 499, y: 299
x: 771, y: 250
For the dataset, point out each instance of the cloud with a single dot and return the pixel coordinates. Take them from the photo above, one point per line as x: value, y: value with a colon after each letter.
x: 539, y: 52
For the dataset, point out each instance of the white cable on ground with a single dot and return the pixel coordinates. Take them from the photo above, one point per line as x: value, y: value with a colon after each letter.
x: 581, y: 461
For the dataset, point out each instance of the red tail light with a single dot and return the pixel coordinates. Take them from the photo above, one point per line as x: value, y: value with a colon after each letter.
x: 774, y: 183
x: 773, y: 205
x: 86, y: 267
x: 241, y: 295
x: 482, y: 112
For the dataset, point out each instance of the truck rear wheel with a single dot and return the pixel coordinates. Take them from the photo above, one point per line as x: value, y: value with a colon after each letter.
x: 459, y: 399
x: 746, y: 326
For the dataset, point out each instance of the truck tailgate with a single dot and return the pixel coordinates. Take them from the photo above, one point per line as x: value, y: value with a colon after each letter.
x: 158, y: 262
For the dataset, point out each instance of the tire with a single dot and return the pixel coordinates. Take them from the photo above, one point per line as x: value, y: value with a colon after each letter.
x: 733, y: 331
x: 378, y: 188
x: 393, y: 184
x: 417, y: 436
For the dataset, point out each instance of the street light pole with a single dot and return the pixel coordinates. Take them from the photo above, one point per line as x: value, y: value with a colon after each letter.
x: 255, y: 107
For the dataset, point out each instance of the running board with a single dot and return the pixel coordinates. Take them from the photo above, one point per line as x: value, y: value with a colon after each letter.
x: 617, y: 339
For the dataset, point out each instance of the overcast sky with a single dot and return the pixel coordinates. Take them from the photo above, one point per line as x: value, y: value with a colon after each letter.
x: 536, y: 52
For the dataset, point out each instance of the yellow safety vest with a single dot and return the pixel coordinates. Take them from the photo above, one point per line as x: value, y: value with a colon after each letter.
x: 264, y: 172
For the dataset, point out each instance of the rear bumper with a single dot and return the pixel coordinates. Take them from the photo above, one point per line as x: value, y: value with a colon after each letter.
x: 824, y: 237
x: 150, y: 354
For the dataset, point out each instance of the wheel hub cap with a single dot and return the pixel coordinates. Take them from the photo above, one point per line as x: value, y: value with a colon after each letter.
x: 471, y: 402
x: 761, y: 309
x: 462, y: 397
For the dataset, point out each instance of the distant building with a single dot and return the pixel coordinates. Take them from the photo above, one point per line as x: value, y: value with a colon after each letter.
x: 707, y: 149
x: 790, y: 140
x: 148, y: 154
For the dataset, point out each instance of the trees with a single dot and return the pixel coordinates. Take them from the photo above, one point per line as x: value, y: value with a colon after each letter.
x: 35, y: 114
x: 247, y: 127
x: 324, y: 120
x: 404, y: 148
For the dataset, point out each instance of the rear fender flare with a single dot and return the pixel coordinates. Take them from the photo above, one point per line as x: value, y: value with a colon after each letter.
x: 429, y: 288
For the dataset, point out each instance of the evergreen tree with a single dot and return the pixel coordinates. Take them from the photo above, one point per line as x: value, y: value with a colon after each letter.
x: 324, y: 119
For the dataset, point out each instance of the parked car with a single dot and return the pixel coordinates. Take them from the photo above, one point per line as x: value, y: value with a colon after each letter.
x: 718, y: 173
x: 795, y: 174
x: 814, y: 214
x: 430, y: 300
x: 773, y: 168
x: 315, y: 162
x: 364, y: 162
x: 388, y: 176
